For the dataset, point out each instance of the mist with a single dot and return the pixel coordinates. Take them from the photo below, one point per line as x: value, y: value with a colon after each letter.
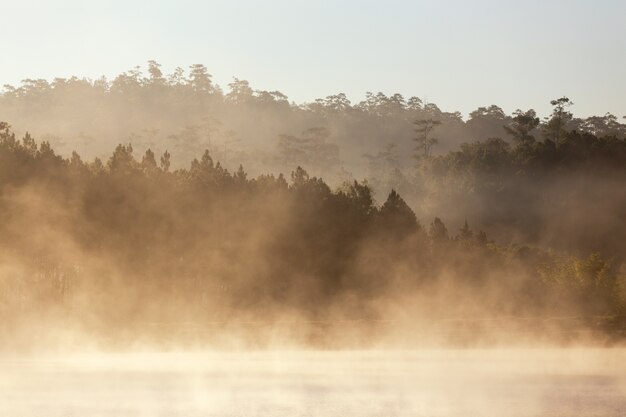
x: 158, y: 229
x: 133, y: 251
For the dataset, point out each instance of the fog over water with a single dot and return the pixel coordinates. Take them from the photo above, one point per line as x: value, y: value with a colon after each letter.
x: 408, y: 208
x: 446, y: 383
x: 303, y: 288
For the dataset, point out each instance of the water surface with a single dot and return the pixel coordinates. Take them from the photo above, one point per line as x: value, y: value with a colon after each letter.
x: 450, y: 383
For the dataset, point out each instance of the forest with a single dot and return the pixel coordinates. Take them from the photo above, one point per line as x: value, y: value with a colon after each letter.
x: 155, y: 202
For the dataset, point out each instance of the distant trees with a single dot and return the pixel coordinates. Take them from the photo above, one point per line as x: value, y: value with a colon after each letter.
x: 385, y: 164
x: 515, y: 175
x: 486, y: 122
x: 382, y: 106
x: 156, y: 109
x: 607, y: 125
x: 336, y: 103
x: 310, y: 149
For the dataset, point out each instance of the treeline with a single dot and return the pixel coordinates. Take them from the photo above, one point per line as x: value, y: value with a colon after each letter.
x: 186, y: 112
x: 126, y: 241
x: 546, y: 185
x: 553, y: 182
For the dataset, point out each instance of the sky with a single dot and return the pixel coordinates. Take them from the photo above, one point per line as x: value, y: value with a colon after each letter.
x: 458, y: 54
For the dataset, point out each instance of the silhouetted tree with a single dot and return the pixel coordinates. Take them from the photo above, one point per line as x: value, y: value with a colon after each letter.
x: 425, y: 142
x: 438, y: 231
x: 521, y: 126
x: 555, y: 127
x: 396, y: 217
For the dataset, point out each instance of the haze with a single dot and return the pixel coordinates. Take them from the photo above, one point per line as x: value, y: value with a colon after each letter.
x: 312, y: 209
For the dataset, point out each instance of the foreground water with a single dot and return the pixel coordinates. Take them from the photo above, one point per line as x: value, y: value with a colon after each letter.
x: 509, y: 382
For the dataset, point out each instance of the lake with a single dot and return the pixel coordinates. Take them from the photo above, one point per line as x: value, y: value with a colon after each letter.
x: 445, y: 382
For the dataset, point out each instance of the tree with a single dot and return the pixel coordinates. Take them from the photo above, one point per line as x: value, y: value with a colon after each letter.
x: 486, y: 122
x: 29, y: 144
x: 165, y: 161
x: 337, y: 102
x: 266, y: 97
x: 299, y: 177
x: 312, y: 149
x: 156, y: 76
x: 240, y: 91
x: 361, y: 196
x: 396, y: 217
x: 555, y: 127
x: 521, y: 126
x: 200, y: 79
x: 383, y: 106
x: 384, y: 163
x: 122, y: 160
x: 438, y: 231
x: 177, y: 78
x: 75, y: 160
x: 240, y: 177
x: 148, y: 162
x: 606, y: 125
x: 425, y: 142
x: 207, y: 173
x: 414, y: 104
x: 465, y: 232
x: 127, y: 83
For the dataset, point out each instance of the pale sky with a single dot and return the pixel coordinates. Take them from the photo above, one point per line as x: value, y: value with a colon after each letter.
x: 458, y: 54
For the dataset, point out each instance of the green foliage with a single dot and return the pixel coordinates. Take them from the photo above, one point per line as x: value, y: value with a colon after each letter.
x: 592, y: 281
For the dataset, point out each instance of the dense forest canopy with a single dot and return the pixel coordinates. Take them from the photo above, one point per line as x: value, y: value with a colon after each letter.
x: 475, y: 169
x: 186, y: 112
x: 385, y: 210
x: 126, y: 242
